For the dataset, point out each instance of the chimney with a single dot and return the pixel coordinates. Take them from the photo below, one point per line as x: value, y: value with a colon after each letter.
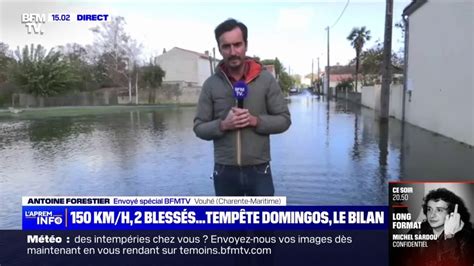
x: 206, y: 52
x: 164, y: 50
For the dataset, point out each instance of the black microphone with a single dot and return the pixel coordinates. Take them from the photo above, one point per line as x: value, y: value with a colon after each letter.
x: 240, y: 92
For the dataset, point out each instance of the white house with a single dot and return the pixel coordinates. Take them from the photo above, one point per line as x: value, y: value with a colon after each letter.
x: 185, y: 65
x: 271, y: 69
x: 439, y: 85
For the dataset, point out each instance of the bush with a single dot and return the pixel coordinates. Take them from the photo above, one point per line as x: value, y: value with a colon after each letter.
x: 345, y: 84
x: 40, y: 73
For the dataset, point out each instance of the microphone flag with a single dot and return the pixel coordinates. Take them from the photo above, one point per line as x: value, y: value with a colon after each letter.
x: 240, y: 92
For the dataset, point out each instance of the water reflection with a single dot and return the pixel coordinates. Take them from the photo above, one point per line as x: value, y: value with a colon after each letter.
x: 383, y: 150
x: 335, y: 153
x: 48, y: 131
x: 355, y: 147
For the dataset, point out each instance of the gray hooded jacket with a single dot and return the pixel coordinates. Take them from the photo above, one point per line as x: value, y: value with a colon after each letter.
x: 251, y: 145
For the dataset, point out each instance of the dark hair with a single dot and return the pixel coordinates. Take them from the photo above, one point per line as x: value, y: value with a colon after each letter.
x: 229, y: 25
x: 450, y: 198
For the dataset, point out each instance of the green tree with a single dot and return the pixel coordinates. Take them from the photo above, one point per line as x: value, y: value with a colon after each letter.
x: 401, y: 52
x: 345, y: 84
x: 371, y: 62
x: 77, y: 56
x: 278, y: 66
x: 5, y: 61
x: 118, y: 51
x: 358, y: 37
x: 152, y: 75
x: 41, y: 73
x: 296, y: 79
x: 284, y: 79
x: 104, y: 77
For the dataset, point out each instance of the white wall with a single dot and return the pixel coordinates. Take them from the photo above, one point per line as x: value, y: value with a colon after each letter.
x: 184, y: 66
x: 396, y: 101
x: 368, y: 97
x: 306, y: 81
x: 371, y: 98
x: 204, y: 70
x: 440, y: 69
x: 179, y: 65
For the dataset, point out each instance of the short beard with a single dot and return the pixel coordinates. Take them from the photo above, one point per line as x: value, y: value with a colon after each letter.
x: 234, y: 67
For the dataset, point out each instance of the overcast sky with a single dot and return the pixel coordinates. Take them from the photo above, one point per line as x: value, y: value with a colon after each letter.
x: 293, y: 31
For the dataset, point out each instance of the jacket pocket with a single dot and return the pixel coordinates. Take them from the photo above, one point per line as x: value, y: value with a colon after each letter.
x: 218, y: 170
x: 263, y: 169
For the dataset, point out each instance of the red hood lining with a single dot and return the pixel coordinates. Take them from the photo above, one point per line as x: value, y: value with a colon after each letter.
x: 253, y: 69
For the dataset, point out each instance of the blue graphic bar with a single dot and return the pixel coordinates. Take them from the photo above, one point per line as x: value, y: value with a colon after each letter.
x: 205, y: 217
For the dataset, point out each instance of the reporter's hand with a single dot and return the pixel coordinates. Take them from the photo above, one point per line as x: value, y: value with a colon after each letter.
x: 238, y: 118
x: 453, y: 223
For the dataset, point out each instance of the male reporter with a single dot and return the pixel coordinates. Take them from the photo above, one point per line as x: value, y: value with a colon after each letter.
x: 240, y: 133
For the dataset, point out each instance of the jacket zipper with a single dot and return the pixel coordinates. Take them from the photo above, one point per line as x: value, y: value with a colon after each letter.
x: 238, y: 140
x: 238, y: 145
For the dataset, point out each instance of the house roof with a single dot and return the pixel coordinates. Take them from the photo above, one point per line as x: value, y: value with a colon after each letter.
x: 201, y: 55
x: 315, y: 75
x: 413, y: 6
x: 271, y: 69
x: 340, y: 77
x: 338, y: 69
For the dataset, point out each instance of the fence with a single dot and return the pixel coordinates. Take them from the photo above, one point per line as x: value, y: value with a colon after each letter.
x: 175, y: 93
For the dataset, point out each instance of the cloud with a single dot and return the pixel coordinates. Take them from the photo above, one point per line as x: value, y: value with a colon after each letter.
x: 295, y: 19
x: 158, y: 33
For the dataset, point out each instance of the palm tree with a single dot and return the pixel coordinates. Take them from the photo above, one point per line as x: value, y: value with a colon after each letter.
x: 358, y: 37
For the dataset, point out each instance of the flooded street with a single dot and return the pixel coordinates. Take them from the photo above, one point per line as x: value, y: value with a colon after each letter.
x: 333, y: 154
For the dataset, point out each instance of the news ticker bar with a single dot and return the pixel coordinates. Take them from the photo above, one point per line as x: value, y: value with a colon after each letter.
x: 174, y: 217
x: 194, y: 247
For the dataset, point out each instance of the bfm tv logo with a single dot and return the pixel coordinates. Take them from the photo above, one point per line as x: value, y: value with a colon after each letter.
x: 240, y: 92
x: 33, y: 22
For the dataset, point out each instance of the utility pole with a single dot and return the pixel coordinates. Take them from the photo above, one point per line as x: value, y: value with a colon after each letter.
x: 129, y: 77
x: 387, y: 64
x: 136, y: 84
x: 319, y: 75
x: 328, y: 70
x: 214, y: 57
x: 312, y: 71
x: 318, y: 69
x: 211, y: 64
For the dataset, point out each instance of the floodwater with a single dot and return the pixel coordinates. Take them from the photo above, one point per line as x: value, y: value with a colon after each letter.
x: 333, y: 154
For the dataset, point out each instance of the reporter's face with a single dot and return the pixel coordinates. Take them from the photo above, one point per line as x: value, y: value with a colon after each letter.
x: 232, y: 48
x: 436, y: 213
